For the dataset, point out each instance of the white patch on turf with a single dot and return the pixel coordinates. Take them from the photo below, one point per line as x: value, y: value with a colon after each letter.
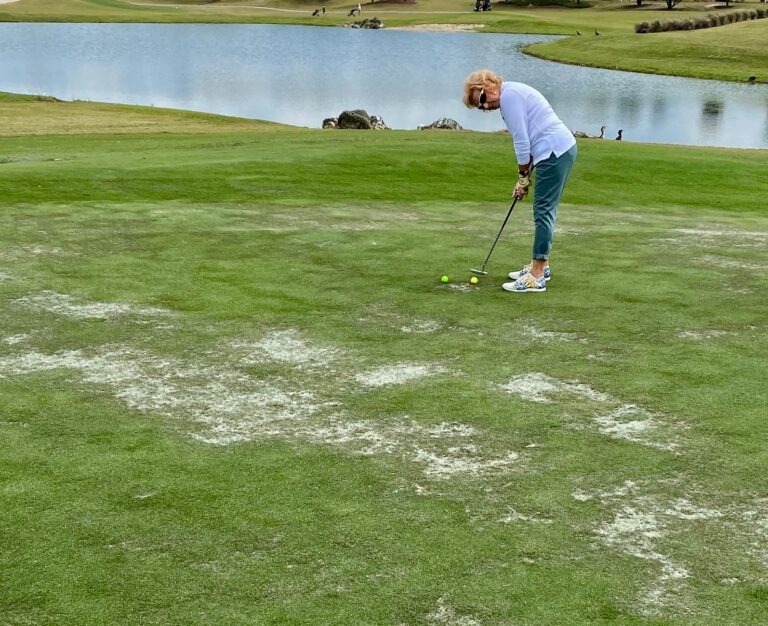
x: 635, y: 532
x: 285, y: 346
x: 536, y: 334
x: 683, y: 508
x: 537, y: 387
x: 40, y: 250
x: 225, y: 405
x: 443, y: 451
x: 462, y: 460
x: 446, y: 615
x: 4, y: 277
x: 701, y: 335
x: 635, y: 424
x: 463, y: 287
x: 407, y: 324
x: 68, y: 306
x: 513, y: 516
x: 643, y: 523
x: 228, y: 406
x: 398, y: 374
x: 421, y: 327
x: 34, y: 362
x: 626, y: 421
x: 731, y: 264
x: 15, y: 339
x: 713, y: 237
x: 626, y: 489
x: 740, y: 238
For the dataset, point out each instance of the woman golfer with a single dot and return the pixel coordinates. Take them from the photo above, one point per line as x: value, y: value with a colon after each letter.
x: 541, y: 141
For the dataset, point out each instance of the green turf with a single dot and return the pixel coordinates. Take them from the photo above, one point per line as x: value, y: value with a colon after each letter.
x: 734, y: 52
x: 195, y: 332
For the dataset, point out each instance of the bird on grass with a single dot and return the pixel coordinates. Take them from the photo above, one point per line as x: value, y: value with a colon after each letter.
x: 752, y: 79
x: 618, y: 137
x: 582, y: 135
x: 596, y: 33
x: 578, y: 33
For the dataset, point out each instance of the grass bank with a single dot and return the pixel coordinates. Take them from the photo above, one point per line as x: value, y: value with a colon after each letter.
x: 234, y: 390
x: 734, y: 52
x: 731, y: 53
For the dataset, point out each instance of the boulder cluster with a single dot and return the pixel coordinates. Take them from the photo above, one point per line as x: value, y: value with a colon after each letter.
x: 359, y: 119
x: 355, y: 119
x: 374, y: 22
x: 444, y: 123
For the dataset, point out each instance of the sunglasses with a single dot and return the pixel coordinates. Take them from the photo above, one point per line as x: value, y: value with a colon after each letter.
x: 481, y: 101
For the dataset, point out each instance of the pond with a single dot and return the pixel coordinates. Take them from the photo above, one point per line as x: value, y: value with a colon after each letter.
x: 300, y: 75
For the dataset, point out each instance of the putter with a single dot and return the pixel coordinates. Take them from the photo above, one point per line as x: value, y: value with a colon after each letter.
x: 482, y: 272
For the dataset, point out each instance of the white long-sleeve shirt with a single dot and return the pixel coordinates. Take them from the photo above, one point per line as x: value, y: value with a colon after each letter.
x: 535, y: 128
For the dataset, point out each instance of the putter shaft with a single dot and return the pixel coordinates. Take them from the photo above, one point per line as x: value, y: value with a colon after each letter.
x: 482, y: 272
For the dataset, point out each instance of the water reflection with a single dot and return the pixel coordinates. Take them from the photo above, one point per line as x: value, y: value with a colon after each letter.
x: 711, y: 114
x: 765, y: 127
x: 629, y: 110
x: 300, y: 75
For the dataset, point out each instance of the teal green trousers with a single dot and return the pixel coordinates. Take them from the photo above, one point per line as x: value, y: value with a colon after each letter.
x: 551, y: 176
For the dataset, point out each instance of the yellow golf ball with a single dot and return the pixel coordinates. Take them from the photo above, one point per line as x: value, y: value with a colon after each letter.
x: 444, y: 279
x: 473, y: 280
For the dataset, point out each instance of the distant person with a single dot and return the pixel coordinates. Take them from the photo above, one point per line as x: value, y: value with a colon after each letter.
x: 323, y: 9
x: 359, y: 8
x: 487, y: 5
x: 542, y: 142
x: 478, y: 5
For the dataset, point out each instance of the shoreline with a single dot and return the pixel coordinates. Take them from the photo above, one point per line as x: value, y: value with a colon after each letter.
x: 440, y: 28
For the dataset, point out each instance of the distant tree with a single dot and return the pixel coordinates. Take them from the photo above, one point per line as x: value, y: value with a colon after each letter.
x: 671, y: 4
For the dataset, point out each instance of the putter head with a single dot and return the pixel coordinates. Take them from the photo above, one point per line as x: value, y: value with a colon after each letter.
x: 479, y: 272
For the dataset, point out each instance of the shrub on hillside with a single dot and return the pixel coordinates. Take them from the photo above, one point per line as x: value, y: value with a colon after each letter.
x: 572, y: 4
x: 706, y: 21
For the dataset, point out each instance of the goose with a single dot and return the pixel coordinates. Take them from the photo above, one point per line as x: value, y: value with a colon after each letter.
x: 618, y: 138
x: 596, y: 33
x: 752, y: 79
x: 582, y: 135
x: 578, y: 33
